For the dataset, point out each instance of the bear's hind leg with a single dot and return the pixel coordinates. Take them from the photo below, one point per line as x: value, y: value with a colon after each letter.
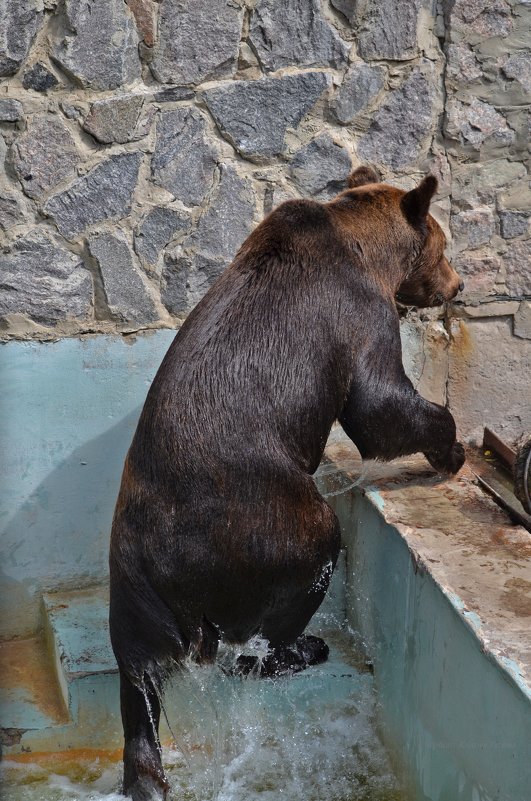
x: 291, y: 650
x: 144, y: 778
x: 307, y: 650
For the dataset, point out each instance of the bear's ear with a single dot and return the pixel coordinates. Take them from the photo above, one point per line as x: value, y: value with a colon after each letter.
x: 362, y: 176
x: 416, y: 204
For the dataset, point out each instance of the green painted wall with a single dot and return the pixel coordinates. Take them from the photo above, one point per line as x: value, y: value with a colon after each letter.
x: 458, y: 720
x: 68, y: 410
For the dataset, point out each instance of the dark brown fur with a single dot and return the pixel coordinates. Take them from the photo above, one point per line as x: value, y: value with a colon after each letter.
x: 219, y: 530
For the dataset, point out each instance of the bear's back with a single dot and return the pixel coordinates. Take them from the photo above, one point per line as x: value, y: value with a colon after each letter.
x: 259, y: 362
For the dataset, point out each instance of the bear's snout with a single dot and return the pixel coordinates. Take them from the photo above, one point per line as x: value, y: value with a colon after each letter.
x: 459, y: 288
x: 454, y: 282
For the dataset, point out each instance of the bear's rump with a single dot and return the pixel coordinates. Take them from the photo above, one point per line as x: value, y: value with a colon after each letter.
x: 238, y: 562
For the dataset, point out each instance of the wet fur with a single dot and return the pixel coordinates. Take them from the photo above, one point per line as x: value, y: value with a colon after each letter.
x: 219, y: 529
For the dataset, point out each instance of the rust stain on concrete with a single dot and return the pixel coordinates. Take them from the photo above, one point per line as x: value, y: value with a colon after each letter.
x: 27, y: 665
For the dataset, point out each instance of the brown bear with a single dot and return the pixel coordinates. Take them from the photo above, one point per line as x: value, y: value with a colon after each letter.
x: 219, y: 530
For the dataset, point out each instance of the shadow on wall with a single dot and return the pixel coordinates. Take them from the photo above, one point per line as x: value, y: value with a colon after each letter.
x: 59, y: 536
x: 68, y: 410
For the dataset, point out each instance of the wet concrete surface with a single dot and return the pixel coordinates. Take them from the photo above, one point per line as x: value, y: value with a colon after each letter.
x: 457, y: 533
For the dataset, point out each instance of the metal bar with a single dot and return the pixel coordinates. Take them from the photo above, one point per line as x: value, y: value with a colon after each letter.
x: 519, y: 517
x: 493, y: 443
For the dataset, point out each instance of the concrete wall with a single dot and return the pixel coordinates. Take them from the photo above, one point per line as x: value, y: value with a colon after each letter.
x: 68, y: 411
x: 67, y: 416
x: 460, y: 724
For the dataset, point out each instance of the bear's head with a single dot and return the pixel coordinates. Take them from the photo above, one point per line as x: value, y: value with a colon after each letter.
x: 426, y: 278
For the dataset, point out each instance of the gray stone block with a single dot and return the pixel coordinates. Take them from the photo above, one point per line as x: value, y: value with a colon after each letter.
x: 401, y: 125
x: 513, y: 223
x: 43, y: 281
x: 11, y: 211
x: 473, y: 228
x: 115, y: 119
x: 184, y: 158
x: 294, y: 32
x: 276, y: 194
x: 522, y: 320
x: 228, y: 219
x: 103, y: 194
x: 476, y: 122
x: 70, y: 111
x: 20, y: 21
x: 461, y: 64
x: 157, y: 228
x: 186, y: 279
x: 481, y: 274
x: 388, y: 29
x: 100, y: 48
x: 221, y: 230
x: 254, y: 115
x: 10, y: 110
x: 43, y: 155
x: 517, y: 262
x: 39, y: 78
x: 517, y: 67
x: 321, y: 168
x: 197, y: 40
x: 480, y: 182
x: 349, y: 8
x: 361, y: 85
x: 173, y: 93
x: 145, y: 13
x: 125, y: 288
x: 476, y: 17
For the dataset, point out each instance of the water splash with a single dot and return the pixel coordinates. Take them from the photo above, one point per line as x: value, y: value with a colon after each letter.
x: 346, y: 472
x: 306, y: 738
x: 87, y: 780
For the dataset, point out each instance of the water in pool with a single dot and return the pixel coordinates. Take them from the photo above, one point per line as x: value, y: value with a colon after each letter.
x: 310, y: 737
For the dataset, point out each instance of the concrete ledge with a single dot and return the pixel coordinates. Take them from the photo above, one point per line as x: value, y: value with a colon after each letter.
x: 78, y: 663
x: 438, y: 586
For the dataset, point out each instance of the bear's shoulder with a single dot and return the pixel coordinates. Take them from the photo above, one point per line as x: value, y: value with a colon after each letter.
x: 302, y: 213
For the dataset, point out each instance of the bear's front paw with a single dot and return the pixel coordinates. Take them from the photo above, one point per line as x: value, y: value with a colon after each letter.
x: 450, y: 462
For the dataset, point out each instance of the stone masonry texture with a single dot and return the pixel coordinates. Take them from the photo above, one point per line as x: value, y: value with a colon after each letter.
x: 142, y: 140
x: 294, y: 32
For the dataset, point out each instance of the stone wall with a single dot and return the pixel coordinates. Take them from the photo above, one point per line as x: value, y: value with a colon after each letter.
x: 143, y: 139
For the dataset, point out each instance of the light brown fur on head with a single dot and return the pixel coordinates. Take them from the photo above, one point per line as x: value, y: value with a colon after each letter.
x: 431, y: 280
x: 399, y: 237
